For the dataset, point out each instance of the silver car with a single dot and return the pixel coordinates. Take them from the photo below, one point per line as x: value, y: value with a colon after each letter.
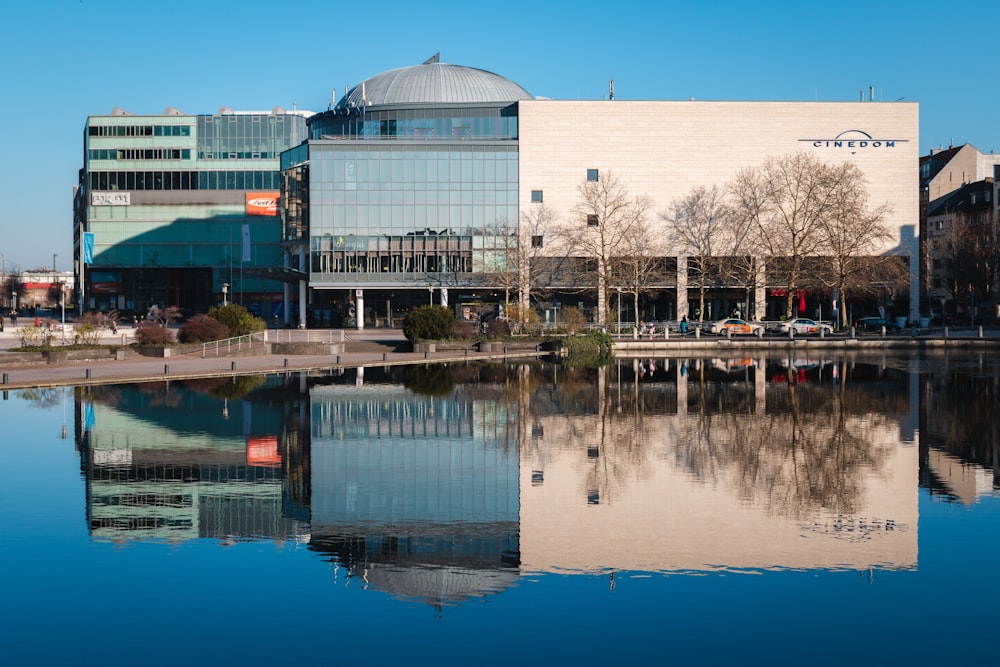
x: 802, y: 326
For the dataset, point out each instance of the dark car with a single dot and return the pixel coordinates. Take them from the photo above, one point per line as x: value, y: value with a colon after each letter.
x: 874, y: 325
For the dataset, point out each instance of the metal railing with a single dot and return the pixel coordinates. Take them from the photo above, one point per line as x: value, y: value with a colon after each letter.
x: 305, y: 336
x: 228, y: 345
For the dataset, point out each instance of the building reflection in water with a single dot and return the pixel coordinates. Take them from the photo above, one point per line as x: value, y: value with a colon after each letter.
x: 444, y: 484
x: 177, y: 461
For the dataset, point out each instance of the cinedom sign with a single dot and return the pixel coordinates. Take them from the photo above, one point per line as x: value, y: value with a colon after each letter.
x: 855, y: 140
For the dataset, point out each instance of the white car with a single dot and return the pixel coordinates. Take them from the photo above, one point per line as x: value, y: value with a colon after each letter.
x: 802, y: 326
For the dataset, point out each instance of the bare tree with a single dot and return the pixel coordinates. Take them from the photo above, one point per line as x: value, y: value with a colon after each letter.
x: 984, y: 248
x: 501, y: 267
x: 786, y: 201
x: 851, y: 233
x: 638, y: 269
x: 538, y: 267
x: 12, y: 284
x: 603, y: 222
x: 700, y: 225
x: 951, y: 248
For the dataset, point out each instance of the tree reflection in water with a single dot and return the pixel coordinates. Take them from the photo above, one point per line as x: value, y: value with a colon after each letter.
x: 486, y: 467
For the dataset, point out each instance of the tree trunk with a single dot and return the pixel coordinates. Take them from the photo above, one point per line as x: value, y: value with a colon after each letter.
x: 602, y: 299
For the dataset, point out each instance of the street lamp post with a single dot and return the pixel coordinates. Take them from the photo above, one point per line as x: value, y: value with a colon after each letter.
x: 619, y: 330
x: 225, y: 294
x: 430, y: 294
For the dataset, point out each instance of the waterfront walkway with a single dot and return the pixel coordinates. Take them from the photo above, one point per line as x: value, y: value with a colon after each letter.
x: 388, y: 347
x: 376, y: 347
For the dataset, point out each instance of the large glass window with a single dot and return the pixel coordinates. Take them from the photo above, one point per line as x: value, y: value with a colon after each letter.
x: 433, y: 200
x: 456, y: 123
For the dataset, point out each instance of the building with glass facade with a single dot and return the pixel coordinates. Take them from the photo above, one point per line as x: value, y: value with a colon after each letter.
x: 439, y: 183
x: 181, y: 210
x: 415, y: 185
x: 404, y: 189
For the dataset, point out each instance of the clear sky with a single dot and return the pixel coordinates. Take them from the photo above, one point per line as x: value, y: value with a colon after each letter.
x: 62, y: 60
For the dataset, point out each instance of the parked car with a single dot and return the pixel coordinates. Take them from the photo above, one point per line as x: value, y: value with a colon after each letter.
x: 802, y: 326
x: 735, y: 326
x: 874, y: 325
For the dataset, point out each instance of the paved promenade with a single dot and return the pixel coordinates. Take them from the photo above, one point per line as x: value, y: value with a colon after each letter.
x: 376, y: 347
x: 388, y: 347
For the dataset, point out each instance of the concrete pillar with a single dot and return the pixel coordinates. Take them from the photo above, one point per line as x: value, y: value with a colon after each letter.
x: 760, y: 291
x: 359, y: 305
x: 302, y: 290
x: 286, y: 303
x: 682, y: 286
x: 302, y: 304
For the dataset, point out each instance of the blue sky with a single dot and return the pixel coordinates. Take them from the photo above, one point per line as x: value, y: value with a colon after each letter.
x: 62, y: 60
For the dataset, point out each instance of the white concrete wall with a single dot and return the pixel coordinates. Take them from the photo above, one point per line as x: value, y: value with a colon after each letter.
x: 664, y: 149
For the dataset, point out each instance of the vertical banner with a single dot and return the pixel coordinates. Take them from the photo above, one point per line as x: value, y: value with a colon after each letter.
x: 88, y: 247
x: 246, y: 244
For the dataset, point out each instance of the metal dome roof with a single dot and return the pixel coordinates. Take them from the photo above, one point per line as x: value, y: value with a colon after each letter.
x: 433, y: 82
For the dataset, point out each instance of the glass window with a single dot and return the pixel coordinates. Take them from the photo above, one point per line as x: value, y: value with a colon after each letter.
x: 536, y: 196
x: 592, y: 220
x: 592, y: 175
x: 536, y: 241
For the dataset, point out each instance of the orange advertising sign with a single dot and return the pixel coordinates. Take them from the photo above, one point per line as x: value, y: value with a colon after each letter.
x: 263, y: 451
x: 262, y: 203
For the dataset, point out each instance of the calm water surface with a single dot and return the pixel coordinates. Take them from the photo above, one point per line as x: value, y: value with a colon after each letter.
x: 791, y: 510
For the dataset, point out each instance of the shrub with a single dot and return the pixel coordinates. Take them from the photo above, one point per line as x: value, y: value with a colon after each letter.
x: 149, y: 333
x: 465, y: 330
x: 497, y: 328
x: 429, y: 380
x: 201, y: 329
x: 428, y: 323
x: 91, y: 326
x: 590, y: 349
x: 237, y: 319
x: 33, y: 336
x: 526, y: 318
x: 87, y: 333
x: 573, y: 318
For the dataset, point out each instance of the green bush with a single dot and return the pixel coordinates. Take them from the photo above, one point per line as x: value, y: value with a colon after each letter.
x: 590, y: 349
x: 237, y: 319
x: 202, y: 329
x: 429, y: 380
x: 428, y: 323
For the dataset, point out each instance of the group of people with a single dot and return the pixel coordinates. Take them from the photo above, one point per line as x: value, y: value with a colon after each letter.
x: 12, y: 314
x: 650, y: 329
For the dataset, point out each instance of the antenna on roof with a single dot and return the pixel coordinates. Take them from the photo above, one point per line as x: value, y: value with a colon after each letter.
x: 611, y: 90
x: 436, y: 58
